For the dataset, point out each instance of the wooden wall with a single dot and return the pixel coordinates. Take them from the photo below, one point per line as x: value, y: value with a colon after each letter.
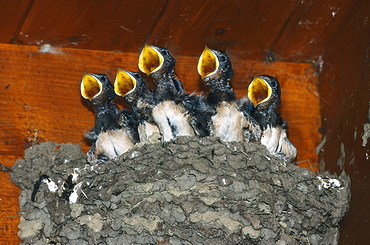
x: 345, y: 101
x: 281, y: 30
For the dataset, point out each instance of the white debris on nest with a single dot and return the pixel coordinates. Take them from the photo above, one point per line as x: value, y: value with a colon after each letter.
x: 74, y: 195
x: 328, y: 183
x: 134, y: 154
x: 75, y: 174
x: 51, y: 185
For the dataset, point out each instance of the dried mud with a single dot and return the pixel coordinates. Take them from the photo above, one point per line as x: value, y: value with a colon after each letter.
x: 189, y: 191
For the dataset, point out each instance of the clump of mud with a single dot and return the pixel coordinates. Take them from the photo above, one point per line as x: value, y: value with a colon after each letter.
x: 190, y: 191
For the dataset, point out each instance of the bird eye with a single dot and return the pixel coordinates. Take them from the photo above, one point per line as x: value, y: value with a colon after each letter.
x: 137, y: 76
x: 273, y: 84
x: 222, y: 58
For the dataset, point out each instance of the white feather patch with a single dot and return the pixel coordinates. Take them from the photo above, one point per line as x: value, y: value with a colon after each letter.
x: 113, y: 143
x: 147, y: 130
x: 277, y: 142
x: 228, y: 124
x: 167, y: 114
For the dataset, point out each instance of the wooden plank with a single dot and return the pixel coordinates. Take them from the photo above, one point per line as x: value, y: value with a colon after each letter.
x: 11, y: 18
x: 114, y: 25
x: 345, y: 96
x: 40, y: 101
x: 9, y: 208
x: 309, y: 28
x: 247, y: 29
x: 285, y: 30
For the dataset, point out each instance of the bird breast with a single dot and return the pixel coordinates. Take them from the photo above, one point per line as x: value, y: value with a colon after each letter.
x: 228, y: 123
x: 148, y: 132
x: 113, y: 143
x: 172, y: 120
x: 276, y: 141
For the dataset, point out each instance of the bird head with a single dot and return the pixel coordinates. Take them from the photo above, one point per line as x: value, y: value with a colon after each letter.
x: 264, y: 91
x: 129, y: 84
x: 97, y: 89
x: 155, y: 61
x: 215, y: 68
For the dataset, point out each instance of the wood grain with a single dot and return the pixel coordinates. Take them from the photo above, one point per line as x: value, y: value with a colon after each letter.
x: 309, y: 29
x: 284, y: 30
x: 40, y: 101
x: 102, y: 25
x: 345, y: 98
x: 246, y: 29
x: 9, y: 208
x: 12, y: 15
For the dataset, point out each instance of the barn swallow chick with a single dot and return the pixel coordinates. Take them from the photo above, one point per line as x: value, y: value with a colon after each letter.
x: 253, y: 134
x: 158, y: 63
x: 228, y: 122
x: 201, y: 112
x: 264, y: 92
x: 168, y: 113
x: 110, y: 139
x: 131, y: 86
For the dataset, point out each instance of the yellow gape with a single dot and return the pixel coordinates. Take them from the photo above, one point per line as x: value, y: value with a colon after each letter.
x: 259, y: 91
x: 208, y: 63
x: 90, y: 86
x: 124, y: 83
x: 150, y: 60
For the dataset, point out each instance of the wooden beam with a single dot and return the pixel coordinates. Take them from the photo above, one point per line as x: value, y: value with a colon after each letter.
x: 9, y: 208
x: 244, y: 29
x: 285, y: 30
x: 309, y: 29
x: 345, y: 97
x: 114, y: 25
x: 12, y: 15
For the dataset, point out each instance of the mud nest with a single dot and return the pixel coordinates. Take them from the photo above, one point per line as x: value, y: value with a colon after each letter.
x: 189, y: 191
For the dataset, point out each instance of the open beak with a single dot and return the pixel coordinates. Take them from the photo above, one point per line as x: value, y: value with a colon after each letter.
x: 259, y: 91
x: 208, y: 63
x: 124, y: 83
x: 150, y: 60
x: 90, y: 86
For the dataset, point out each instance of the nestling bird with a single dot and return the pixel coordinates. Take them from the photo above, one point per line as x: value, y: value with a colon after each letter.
x: 131, y: 86
x: 170, y: 116
x: 228, y: 122
x: 201, y: 112
x: 158, y: 63
x: 264, y: 92
x: 114, y: 132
